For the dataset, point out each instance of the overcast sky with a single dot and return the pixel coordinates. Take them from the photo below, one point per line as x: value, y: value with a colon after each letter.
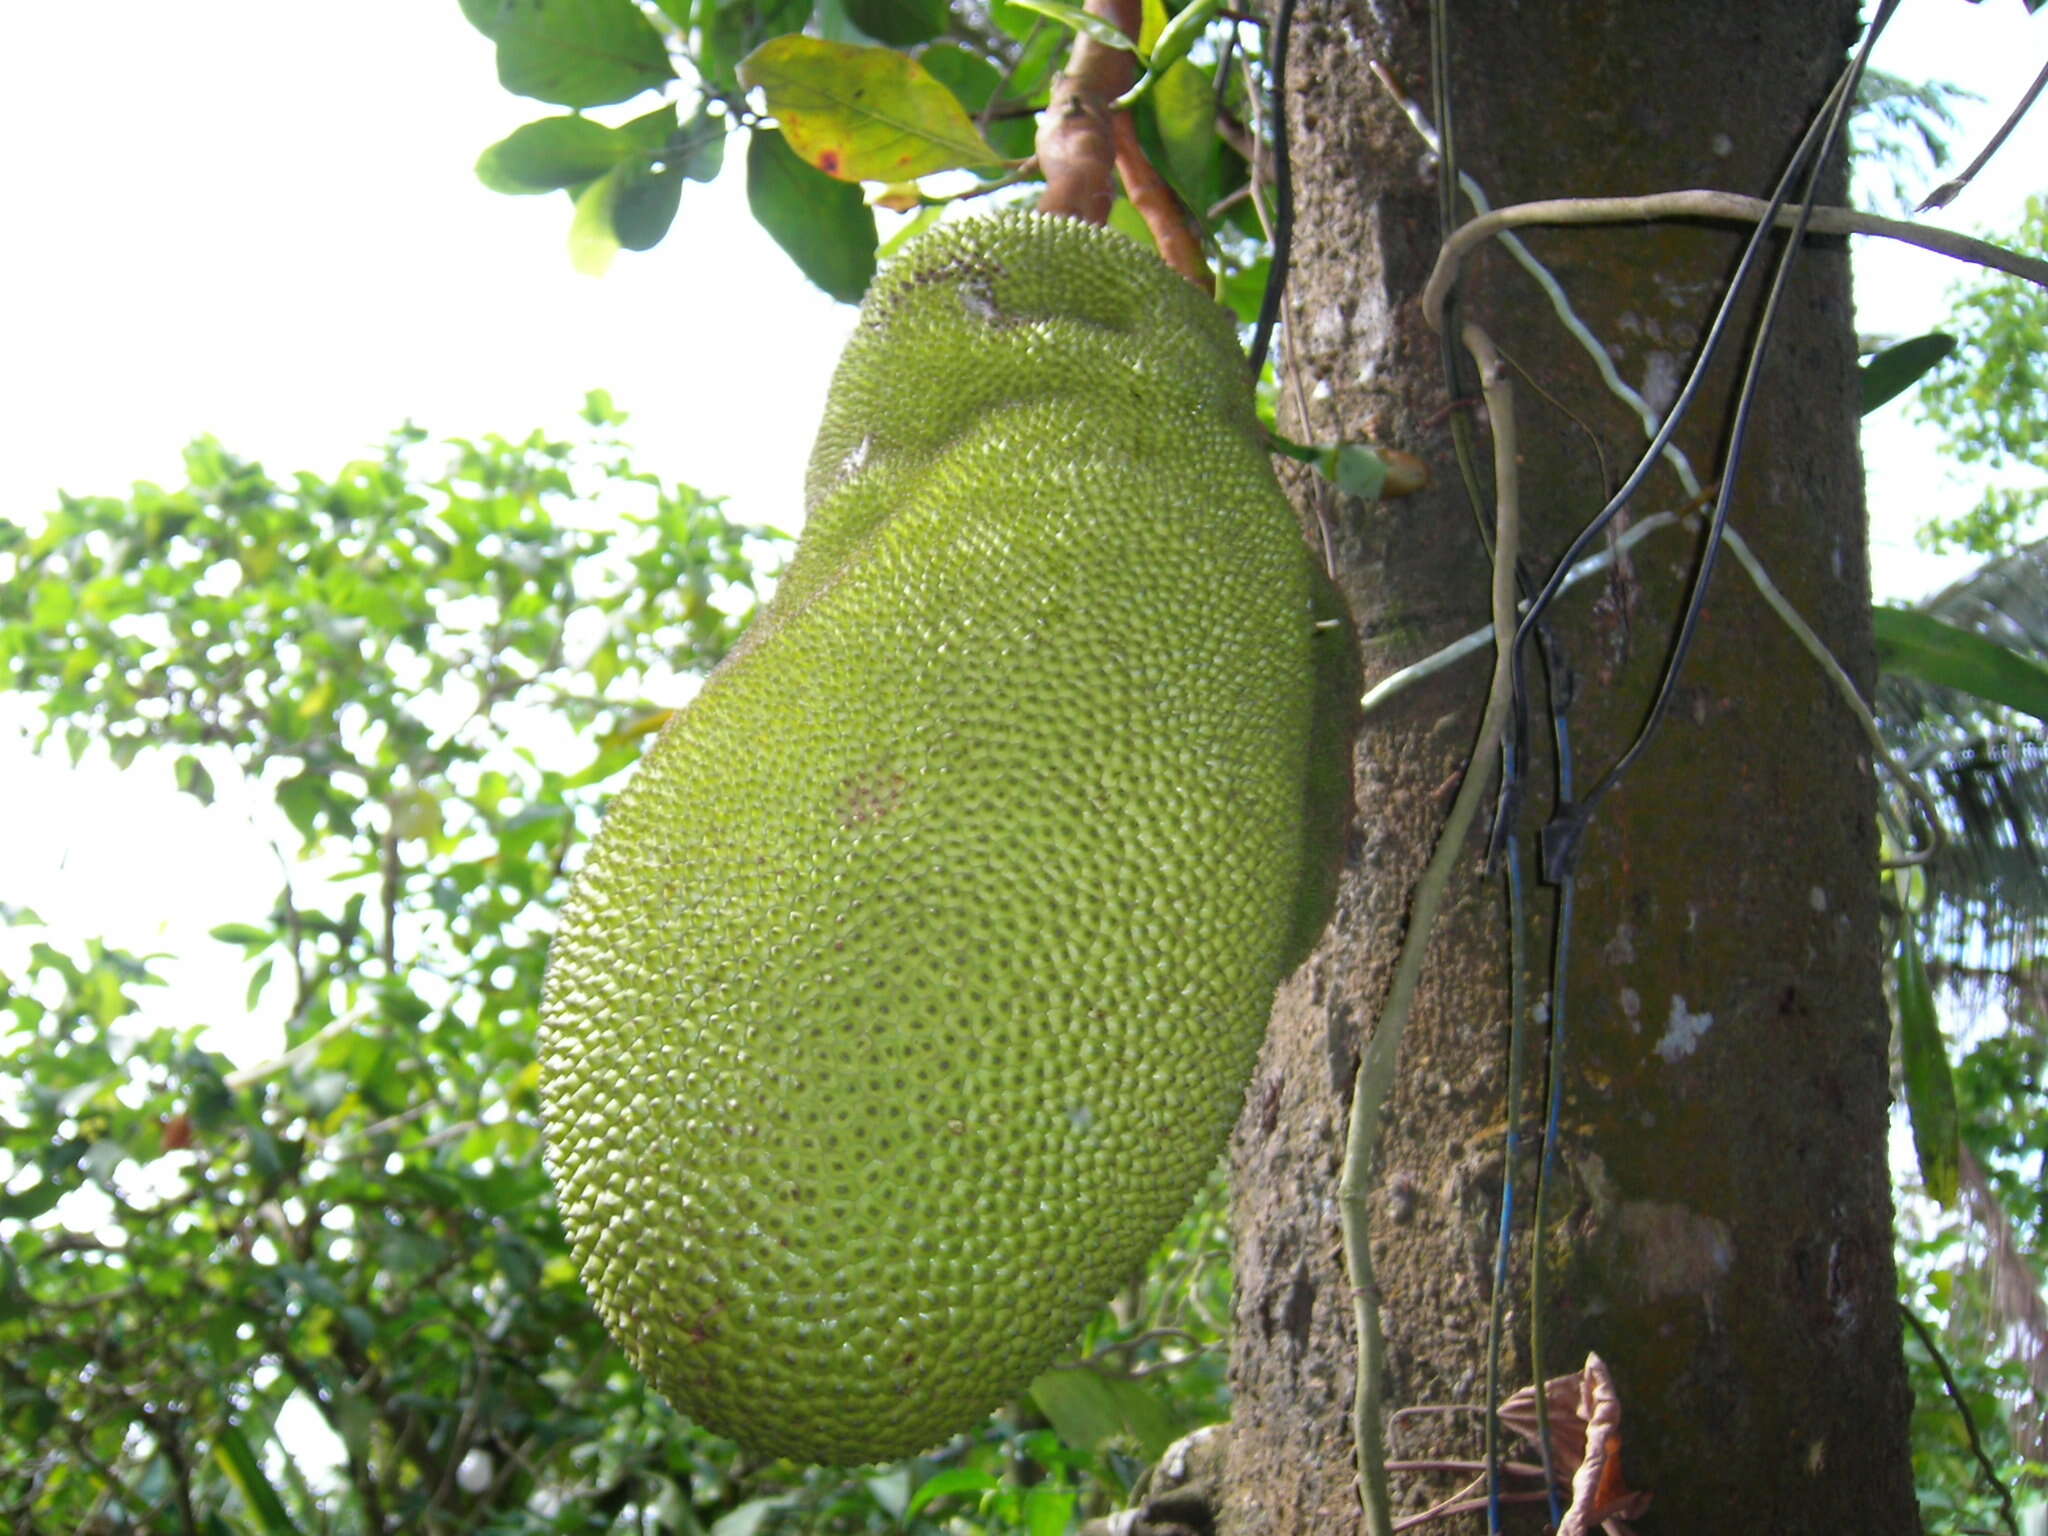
x: 257, y: 218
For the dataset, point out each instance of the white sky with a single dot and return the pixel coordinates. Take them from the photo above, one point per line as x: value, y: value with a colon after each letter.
x: 257, y: 218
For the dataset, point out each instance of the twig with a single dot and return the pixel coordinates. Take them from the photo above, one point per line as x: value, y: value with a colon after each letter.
x: 1465, y: 645
x: 1946, y: 193
x: 1955, y: 1395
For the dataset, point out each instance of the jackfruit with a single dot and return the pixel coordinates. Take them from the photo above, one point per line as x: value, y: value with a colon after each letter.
x: 912, y: 984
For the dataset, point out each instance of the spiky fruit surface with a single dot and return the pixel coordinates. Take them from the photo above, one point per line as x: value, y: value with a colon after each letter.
x: 911, y: 987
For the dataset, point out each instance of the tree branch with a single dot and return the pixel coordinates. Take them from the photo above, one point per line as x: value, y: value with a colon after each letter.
x: 1707, y: 205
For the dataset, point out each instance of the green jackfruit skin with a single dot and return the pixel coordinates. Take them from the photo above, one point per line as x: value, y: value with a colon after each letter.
x: 911, y: 987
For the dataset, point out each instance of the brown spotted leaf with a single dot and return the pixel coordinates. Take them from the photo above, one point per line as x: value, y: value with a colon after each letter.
x: 863, y: 114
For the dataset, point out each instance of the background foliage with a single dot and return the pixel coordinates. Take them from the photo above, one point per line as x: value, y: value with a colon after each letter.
x: 432, y: 665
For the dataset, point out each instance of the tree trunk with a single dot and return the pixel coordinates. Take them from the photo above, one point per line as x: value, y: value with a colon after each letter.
x: 1720, y: 1230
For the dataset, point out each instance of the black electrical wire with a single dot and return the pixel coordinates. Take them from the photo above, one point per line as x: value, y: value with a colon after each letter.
x: 1283, y: 193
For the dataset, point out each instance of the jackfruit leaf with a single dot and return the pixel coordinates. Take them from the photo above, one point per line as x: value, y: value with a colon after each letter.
x: 550, y: 154
x: 1923, y: 1059
x: 1896, y: 369
x: 1184, y: 112
x: 646, y: 204
x: 698, y: 147
x: 1089, y: 1408
x: 1152, y: 21
x: 1168, y: 45
x: 579, y: 53
x: 824, y: 224
x: 1354, y: 469
x: 593, y: 237
x: 975, y: 81
x: 969, y: 76
x: 898, y: 196
x: 953, y: 1480
x: 1914, y: 644
x: 741, y: 26
x: 1078, y: 20
x: 238, y: 1461
x: 863, y: 114
x: 900, y: 23
x: 1044, y: 48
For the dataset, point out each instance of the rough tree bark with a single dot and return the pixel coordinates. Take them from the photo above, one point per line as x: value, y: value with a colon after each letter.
x: 1722, y: 1235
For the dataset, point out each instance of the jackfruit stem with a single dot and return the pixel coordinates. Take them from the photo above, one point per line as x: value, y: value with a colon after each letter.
x: 1085, y: 144
x: 1179, y: 246
x: 1076, y: 142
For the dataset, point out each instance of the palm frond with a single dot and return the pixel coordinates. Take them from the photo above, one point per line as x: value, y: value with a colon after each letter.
x: 1987, y: 768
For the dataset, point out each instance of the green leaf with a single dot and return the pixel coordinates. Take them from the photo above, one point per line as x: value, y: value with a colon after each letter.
x: 194, y: 780
x: 302, y: 799
x: 231, y: 1449
x: 969, y: 76
x: 1930, y: 1088
x: 747, y: 1518
x: 975, y: 81
x: 1918, y: 645
x: 1048, y: 1509
x: 1354, y: 469
x: 242, y: 933
x: 737, y: 27
x: 698, y: 147
x: 1897, y: 368
x: 651, y: 188
x: 1146, y: 1419
x: 863, y: 114
x: 593, y: 232
x: 824, y: 224
x: 1184, y: 111
x: 553, y: 153
x: 900, y: 23
x: 31, y: 1202
x: 646, y: 206
x: 258, y: 980
x: 1170, y: 47
x: 1083, y: 1410
x: 1074, y: 17
x: 953, y: 1480
x: 580, y: 53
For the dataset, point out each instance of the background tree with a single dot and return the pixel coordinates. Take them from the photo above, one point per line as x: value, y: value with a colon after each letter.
x: 328, y: 1292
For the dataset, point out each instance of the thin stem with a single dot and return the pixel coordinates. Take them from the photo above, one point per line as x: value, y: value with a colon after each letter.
x: 1955, y: 1395
x: 1376, y: 1065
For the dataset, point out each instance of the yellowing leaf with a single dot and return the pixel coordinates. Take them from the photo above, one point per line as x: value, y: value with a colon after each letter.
x: 317, y: 702
x: 898, y: 197
x: 863, y: 114
x: 593, y: 242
